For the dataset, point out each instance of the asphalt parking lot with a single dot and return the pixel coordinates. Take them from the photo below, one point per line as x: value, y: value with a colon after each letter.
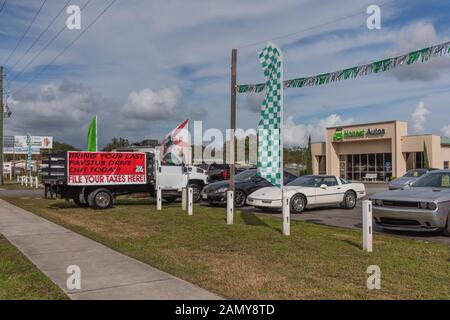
x: 337, y: 217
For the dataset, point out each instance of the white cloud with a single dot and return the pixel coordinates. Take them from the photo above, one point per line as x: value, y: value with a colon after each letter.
x: 147, y: 104
x: 298, y: 134
x: 254, y: 102
x: 54, y: 105
x: 418, y: 36
x: 419, y: 117
x: 446, y: 131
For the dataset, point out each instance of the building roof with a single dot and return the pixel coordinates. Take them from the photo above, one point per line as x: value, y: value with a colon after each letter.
x: 364, y: 124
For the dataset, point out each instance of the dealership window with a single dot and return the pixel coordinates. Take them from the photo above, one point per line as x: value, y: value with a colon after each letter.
x: 355, y: 167
x: 419, y: 160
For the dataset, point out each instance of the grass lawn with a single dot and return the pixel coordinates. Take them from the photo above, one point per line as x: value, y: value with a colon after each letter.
x: 20, y: 279
x: 13, y: 185
x: 252, y: 259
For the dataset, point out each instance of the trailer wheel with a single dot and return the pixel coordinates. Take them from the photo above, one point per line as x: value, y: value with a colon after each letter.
x: 100, y: 199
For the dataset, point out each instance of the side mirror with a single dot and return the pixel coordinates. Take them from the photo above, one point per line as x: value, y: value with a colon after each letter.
x: 407, y: 186
x: 323, y: 186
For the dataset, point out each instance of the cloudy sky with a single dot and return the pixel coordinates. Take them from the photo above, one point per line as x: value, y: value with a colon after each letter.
x: 144, y: 66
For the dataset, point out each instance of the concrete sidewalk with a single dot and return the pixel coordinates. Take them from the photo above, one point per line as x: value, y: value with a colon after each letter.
x: 105, y: 273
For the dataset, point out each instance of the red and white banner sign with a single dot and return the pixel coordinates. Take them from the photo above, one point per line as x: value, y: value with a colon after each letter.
x: 105, y: 168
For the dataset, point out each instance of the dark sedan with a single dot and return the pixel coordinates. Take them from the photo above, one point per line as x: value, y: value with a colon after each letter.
x: 246, y: 183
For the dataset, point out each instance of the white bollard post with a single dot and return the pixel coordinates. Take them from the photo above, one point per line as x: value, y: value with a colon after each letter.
x: 230, y: 206
x: 158, y: 198
x: 367, y: 225
x: 190, y: 201
x: 286, y: 215
x: 183, y: 199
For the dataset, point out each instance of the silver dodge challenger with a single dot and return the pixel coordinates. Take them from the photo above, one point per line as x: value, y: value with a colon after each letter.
x: 422, y: 206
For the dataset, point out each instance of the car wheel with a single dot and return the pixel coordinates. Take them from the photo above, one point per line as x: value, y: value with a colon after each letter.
x: 349, y: 200
x: 239, y: 198
x: 447, y: 226
x: 197, y: 192
x: 298, y: 203
x: 100, y: 199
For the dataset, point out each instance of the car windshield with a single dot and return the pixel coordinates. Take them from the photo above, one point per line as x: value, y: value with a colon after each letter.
x: 433, y: 180
x: 245, y: 175
x: 415, y: 173
x: 306, y: 181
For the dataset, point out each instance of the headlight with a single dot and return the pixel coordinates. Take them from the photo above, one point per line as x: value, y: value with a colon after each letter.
x: 423, y: 205
x: 221, y: 190
x: 379, y: 202
x: 432, y: 206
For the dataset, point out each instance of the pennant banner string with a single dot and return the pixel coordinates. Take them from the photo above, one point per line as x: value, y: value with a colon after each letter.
x: 422, y: 55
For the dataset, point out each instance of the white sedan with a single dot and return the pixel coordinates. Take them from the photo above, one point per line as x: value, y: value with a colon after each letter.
x: 310, y: 191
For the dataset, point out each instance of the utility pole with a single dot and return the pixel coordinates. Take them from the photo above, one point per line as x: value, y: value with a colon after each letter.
x: 2, y: 113
x: 233, y: 115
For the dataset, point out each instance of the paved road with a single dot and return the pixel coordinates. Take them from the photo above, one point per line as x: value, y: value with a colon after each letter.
x: 337, y: 217
x: 105, y: 273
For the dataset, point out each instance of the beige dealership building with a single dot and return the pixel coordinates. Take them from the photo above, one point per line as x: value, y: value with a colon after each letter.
x: 381, y: 150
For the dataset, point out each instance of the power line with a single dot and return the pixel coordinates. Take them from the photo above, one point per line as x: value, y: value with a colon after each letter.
x: 288, y: 35
x: 26, y: 31
x: 69, y: 45
x: 47, y: 45
x: 3, y: 5
x: 41, y: 34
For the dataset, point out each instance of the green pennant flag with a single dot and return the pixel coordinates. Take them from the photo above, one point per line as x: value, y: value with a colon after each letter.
x: 92, y: 135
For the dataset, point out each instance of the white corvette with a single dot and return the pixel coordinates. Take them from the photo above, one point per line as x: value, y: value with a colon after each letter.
x: 310, y: 191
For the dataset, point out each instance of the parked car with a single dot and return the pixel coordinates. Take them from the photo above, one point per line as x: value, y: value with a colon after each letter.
x: 423, y: 206
x: 218, y: 172
x: 408, y: 178
x: 309, y: 191
x: 198, y: 178
x: 246, y: 182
